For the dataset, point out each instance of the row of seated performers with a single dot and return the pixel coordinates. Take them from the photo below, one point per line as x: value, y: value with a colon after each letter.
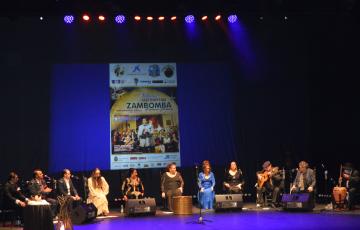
x: 270, y: 181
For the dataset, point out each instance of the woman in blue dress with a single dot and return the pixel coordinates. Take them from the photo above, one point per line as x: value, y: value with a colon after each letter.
x: 206, y: 182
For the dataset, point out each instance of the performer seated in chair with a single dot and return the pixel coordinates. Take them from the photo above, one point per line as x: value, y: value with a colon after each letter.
x: 172, y: 184
x: 305, y: 180
x: 65, y: 187
x: 269, y: 181
x: 13, y: 197
x: 40, y: 191
x: 351, y: 181
x: 132, y: 187
x: 234, y: 181
x: 206, y: 183
x: 98, y: 190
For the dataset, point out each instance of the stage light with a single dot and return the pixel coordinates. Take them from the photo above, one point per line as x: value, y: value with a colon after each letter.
x: 173, y: 18
x: 285, y: 18
x: 149, y: 18
x: 101, y: 18
x: 41, y: 18
x: 86, y: 17
x: 120, y: 19
x: 137, y: 18
x: 68, y: 19
x: 218, y: 17
x: 204, y: 18
x: 161, y: 18
x: 189, y: 19
x: 232, y: 18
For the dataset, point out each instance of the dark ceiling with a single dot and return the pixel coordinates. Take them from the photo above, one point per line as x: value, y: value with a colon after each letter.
x: 54, y: 7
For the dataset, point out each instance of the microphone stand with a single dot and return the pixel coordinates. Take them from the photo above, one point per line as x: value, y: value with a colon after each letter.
x: 85, y: 187
x: 164, y: 208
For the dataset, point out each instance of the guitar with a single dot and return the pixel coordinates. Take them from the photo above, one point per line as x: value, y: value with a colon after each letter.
x: 265, y: 176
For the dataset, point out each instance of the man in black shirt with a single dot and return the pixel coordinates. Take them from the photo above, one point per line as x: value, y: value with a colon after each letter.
x: 351, y: 181
x: 13, y: 197
x: 269, y: 181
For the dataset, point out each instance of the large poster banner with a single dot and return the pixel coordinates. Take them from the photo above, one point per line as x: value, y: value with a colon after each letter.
x: 144, y: 115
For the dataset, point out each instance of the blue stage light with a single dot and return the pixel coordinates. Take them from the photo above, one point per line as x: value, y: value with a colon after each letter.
x: 189, y: 19
x: 120, y: 19
x: 232, y: 18
x: 68, y: 19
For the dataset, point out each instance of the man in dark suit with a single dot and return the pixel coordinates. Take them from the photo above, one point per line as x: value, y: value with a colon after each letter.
x: 66, y: 187
x: 39, y: 188
x: 13, y: 198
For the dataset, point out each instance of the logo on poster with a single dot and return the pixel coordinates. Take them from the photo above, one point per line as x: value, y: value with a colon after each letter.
x: 168, y: 71
x: 119, y: 70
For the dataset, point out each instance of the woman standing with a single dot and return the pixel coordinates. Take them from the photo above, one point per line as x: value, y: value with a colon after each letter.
x: 234, y: 181
x: 132, y: 187
x: 206, y: 182
x: 98, y: 189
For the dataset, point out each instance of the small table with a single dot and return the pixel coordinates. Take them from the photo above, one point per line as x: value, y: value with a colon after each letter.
x: 38, y: 217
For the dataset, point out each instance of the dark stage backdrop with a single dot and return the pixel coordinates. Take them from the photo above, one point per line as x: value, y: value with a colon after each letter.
x: 287, y: 92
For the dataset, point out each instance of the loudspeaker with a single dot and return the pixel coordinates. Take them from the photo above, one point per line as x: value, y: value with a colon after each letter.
x: 229, y: 202
x: 83, y: 213
x: 140, y: 206
x: 298, y: 202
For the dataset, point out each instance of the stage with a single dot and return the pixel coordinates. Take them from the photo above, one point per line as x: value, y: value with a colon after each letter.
x: 249, y: 218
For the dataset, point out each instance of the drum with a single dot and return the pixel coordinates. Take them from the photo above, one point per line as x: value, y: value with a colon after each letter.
x: 339, y: 194
x: 182, y: 205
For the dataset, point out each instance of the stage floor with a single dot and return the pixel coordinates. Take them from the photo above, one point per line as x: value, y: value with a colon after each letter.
x: 250, y: 218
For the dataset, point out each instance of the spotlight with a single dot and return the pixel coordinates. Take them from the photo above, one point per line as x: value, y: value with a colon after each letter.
x: 218, y: 17
x: 232, y: 18
x: 41, y: 18
x: 120, y: 19
x: 68, y: 19
x: 161, y: 18
x: 86, y: 17
x: 137, y: 18
x: 173, y: 18
x: 101, y: 18
x: 285, y: 18
x: 189, y: 19
x: 204, y: 18
x: 149, y: 18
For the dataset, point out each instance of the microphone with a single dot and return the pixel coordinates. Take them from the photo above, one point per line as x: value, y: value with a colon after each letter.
x: 47, y: 177
x: 326, y: 174
x: 75, y: 177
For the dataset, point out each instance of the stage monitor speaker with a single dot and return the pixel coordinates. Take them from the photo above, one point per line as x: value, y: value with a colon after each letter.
x: 298, y: 202
x: 83, y: 213
x: 229, y: 202
x: 140, y: 206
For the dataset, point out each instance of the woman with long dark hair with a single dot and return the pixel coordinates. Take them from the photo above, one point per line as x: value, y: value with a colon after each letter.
x: 98, y: 189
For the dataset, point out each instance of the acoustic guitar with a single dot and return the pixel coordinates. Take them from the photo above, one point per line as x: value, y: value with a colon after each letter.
x: 265, y: 176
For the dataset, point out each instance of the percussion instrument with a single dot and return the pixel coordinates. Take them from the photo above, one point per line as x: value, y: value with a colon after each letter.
x: 182, y: 205
x: 339, y: 194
